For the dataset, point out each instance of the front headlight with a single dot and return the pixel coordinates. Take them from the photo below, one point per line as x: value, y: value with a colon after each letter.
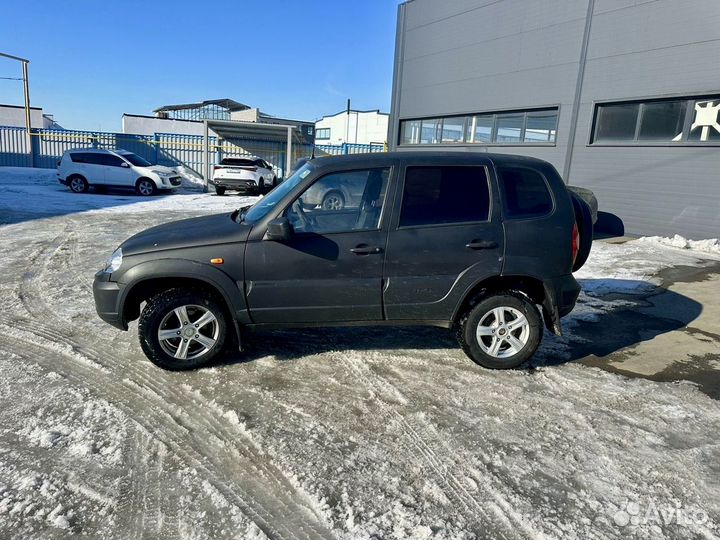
x: 114, y: 262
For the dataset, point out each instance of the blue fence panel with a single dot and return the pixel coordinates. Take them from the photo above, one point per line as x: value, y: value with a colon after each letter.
x: 349, y: 148
x: 14, y: 151
x: 171, y: 149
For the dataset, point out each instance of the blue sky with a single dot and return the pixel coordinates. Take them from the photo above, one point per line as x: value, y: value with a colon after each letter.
x: 92, y: 61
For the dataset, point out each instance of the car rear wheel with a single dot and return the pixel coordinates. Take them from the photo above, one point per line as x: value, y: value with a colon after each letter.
x: 220, y: 190
x: 333, y: 200
x: 501, y: 331
x: 145, y: 187
x: 78, y: 184
x: 182, y: 329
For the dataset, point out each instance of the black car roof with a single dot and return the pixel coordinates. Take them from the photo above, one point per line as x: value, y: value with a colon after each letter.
x: 462, y: 156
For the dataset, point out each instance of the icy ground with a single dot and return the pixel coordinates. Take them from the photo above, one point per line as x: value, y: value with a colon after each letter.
x: 360, y: 433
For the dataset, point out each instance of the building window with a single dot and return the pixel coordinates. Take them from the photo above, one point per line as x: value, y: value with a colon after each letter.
x: 676, y: 121
x: 323, y: 133
x: 512, y: 127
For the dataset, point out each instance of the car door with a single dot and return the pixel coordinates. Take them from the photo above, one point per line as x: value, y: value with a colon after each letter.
x: 330, y: 270
x: 446, y: 236
x: 117, y: 171
x: 95, y: 169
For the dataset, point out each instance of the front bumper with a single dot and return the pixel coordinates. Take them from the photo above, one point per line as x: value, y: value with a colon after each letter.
x: 107, y: 297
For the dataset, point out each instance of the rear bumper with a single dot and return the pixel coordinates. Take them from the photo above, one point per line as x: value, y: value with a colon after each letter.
x: 230, y: 183
x: 63, y: 181
x: 107, y: 296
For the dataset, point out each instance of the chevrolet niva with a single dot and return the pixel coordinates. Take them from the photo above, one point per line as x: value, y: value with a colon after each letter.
x: 484, y: 244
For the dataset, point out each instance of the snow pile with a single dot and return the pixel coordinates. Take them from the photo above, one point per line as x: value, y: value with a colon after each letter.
x: 711, y: 245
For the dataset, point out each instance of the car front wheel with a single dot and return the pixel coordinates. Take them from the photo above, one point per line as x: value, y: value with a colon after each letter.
x: 501, y: 331
x: 145, y: 187
x: 220, y: 190
x: 182, y: 329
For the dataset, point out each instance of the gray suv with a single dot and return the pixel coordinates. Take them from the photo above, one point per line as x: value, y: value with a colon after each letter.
x: 479, y: 243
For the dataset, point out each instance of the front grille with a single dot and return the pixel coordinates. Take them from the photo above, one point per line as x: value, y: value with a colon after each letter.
x: 176, y: 180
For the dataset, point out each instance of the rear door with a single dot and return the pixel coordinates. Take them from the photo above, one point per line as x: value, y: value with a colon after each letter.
x: 89, y: 164
x: 446, y: 236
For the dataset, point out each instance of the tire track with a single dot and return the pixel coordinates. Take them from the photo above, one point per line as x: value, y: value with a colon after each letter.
x: 277, y: 509
x: 423, y: 438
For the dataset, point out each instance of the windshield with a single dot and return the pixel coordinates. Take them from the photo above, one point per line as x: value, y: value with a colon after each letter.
x: 260, y: 209
x: 135, y: 160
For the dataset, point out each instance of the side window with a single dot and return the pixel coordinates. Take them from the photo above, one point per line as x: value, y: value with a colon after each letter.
x: 109, y: 160
x: 78, y: 157
x: 526, y: 193
x: 447, y: 194
x: 93, y: 158
x: 341, y: 202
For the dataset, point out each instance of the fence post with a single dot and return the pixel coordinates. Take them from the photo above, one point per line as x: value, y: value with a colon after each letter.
x: 34, y: 147
x: 156, y: 146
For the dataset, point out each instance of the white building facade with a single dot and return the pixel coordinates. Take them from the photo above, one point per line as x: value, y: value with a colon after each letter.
x: 352, y: 127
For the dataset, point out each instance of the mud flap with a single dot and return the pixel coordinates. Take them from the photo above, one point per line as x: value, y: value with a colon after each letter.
x: 551, y: 315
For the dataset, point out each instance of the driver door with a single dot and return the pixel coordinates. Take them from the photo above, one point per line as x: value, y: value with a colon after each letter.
x: 330, y: 270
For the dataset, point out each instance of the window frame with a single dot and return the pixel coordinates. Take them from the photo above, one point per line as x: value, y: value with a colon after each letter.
x: 469, y: 117
x: 319, y: 137
x: 383, y: 210
x: 400, y: 200
x: 503, y: 197
x: 641, y: 102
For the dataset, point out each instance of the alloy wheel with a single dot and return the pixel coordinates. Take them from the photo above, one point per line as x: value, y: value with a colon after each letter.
x: 503, y: 332
x: 188, y: 332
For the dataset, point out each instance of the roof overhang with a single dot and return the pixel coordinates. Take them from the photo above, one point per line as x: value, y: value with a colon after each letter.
x: 234, y: 129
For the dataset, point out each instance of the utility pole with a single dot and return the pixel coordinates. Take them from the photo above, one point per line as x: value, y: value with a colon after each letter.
x: 26, y: 91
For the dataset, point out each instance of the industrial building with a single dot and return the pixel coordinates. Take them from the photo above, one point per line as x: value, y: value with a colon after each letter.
x: 622, y: 96
x: 352, y: 126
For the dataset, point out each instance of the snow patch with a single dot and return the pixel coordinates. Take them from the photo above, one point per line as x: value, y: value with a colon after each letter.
x: 710, y: 246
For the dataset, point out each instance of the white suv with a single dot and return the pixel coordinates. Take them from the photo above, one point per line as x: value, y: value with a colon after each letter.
x: 251, y: 175
x: 84, y: 167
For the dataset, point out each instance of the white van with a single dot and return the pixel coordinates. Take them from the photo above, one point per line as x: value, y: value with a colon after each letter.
x: 84, y: 167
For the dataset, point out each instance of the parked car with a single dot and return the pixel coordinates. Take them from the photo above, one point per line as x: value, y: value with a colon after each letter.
x: 484, y: 244
x: 247, y: 175
x: 83, y: 168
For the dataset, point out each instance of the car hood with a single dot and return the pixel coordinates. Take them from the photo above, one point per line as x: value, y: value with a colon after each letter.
x: 186, y: 233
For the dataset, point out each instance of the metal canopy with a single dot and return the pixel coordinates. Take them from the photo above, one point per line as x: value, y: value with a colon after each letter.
x: 234, y: 129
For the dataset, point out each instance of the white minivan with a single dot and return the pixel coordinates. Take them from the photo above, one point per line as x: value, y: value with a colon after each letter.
x: 84, y: 167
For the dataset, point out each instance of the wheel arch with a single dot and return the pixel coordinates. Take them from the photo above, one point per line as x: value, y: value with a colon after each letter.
x: 148, y: 279
x: 158, y: 185
x: 528, y: 286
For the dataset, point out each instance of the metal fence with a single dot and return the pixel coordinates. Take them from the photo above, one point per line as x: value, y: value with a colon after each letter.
x: 349, y: 148
x: 169, y: 149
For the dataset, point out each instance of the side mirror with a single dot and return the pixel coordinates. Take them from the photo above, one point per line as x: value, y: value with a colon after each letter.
x: 124, y: 164
x: 279, y: 230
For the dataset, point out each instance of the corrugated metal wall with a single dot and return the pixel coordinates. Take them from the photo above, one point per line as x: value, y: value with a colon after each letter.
x: 483, y: 55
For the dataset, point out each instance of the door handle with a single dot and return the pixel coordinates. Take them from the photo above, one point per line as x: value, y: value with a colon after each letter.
x: 364, y: 249
x: 481, y: 244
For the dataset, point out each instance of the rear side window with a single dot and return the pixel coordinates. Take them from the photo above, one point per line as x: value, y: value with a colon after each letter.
x: 242, y: 162
x: 81, y: 157
x: 439, y: 195
x: 109, y: 160
x: 526, y: 193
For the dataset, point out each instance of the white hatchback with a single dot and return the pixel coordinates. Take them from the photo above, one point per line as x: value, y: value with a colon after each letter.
x: 84, y: 167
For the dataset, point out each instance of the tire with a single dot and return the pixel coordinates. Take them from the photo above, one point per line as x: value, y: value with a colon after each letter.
x: 274, y: 182
x: 160, y: 315
x: 78, y: 184
x: 583, y: 218
x: 333, y: 200
x: 145, y: 187
x: 483, y: 316
x: 220, y: 190
x: 261, y: 186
